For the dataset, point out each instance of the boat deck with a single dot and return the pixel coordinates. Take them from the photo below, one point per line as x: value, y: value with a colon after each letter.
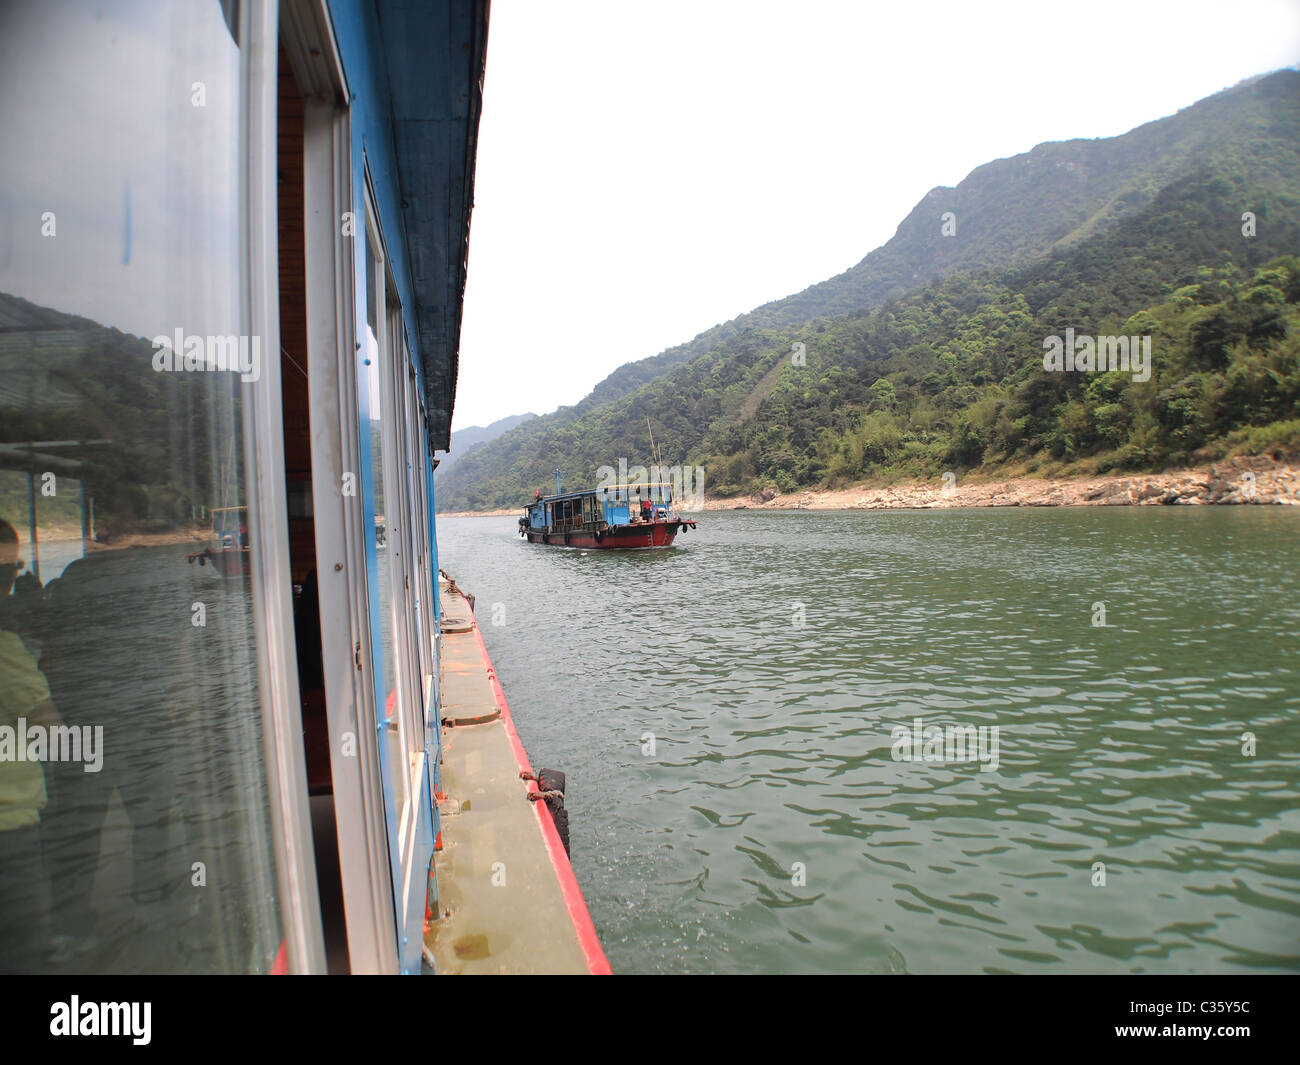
x: 507, y: 898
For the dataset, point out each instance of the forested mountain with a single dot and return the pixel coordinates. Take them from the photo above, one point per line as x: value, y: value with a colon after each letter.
x: 928, y: 354
x: 471, y: 436
x: 159, y: 447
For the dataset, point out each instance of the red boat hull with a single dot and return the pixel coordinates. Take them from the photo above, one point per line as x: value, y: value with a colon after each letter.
x: 655, y: 534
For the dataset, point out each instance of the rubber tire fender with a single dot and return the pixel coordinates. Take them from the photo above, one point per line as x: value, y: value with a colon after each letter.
x: 561, y: 818
x: 553, y: 780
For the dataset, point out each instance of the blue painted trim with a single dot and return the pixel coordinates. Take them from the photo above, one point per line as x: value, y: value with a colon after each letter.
x: 362, y: 48
x: 361, y: 45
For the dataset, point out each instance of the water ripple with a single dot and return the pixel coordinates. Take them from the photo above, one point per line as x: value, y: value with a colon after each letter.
x: 766, y: 662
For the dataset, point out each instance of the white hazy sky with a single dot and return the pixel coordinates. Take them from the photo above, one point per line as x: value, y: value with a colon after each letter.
x: 143, y: 198
x: 647, y: 170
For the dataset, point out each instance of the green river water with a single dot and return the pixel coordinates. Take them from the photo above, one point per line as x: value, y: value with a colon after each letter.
x: 729, y: 714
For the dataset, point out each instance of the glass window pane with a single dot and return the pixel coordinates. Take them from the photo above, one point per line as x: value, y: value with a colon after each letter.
x: 419, y: 531
x: 409, y: 688
x: 134, y: 834
x: 370, y: 376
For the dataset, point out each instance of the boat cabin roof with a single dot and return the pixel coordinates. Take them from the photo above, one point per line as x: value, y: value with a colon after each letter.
x: 598, y: 492
x: 566, y: 495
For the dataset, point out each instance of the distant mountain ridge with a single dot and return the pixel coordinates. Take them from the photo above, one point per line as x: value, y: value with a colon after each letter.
x: 464, y: 440
x: 1034, y: 208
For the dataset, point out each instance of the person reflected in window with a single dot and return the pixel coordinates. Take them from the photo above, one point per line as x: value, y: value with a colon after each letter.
x: 24, y: 704
x: 99, y: 667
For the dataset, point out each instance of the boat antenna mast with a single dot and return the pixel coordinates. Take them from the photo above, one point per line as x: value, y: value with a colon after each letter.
x: 657, y: 457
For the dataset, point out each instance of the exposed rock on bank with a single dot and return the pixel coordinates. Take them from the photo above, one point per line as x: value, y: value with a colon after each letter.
x: 1258, y: 480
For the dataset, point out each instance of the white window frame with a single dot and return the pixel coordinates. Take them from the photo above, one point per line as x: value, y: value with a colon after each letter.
x: 392, y: 360
x: 263, y: 433
x: 334, y: 260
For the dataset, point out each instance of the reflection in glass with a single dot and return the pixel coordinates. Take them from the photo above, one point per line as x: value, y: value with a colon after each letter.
x: 372, y: 431
x: 136, y: 836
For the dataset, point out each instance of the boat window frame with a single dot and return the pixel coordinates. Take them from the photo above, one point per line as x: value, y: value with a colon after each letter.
x: 263, y: 443
x: 421, y: 580
x: 394, y: 358
x: 334, y: 261
x: 374, y: 275
x: 411, y: 829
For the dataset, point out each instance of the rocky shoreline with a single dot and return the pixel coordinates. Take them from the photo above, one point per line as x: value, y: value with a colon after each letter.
x: 516, y: 511
x: 69, y: 534
x: 1241, y: 481
x: 1259, y: 480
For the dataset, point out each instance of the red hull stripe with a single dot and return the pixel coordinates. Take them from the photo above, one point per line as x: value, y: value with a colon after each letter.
x: 659, y: 537
x: 597, y: 963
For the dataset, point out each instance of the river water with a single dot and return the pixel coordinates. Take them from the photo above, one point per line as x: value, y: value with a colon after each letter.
x: 726, y: 712
x: 156, y: 855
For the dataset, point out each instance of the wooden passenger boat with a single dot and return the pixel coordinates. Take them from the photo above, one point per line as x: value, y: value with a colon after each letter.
x: 619, y: 515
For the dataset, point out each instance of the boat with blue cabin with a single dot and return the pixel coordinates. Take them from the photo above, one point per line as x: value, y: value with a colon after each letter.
x: 639, y: 514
